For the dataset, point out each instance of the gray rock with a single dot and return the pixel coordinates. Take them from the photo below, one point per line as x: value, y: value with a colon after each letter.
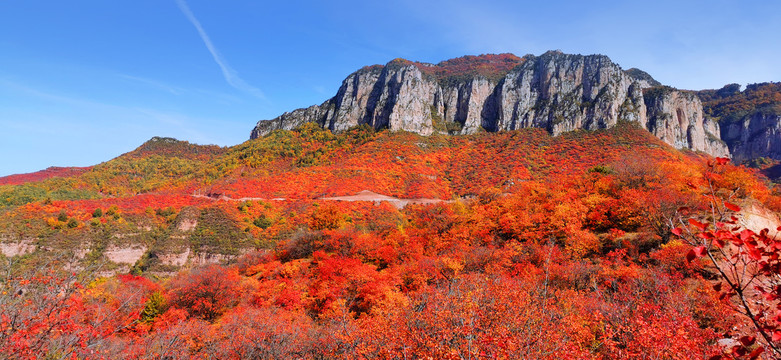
x: 555, y: 91
x: 562, y: 93
x: 643, y: 78
x: 755, y: 135
x: 676, y: 117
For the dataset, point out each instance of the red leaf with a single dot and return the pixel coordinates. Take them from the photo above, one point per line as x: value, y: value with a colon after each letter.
x: 697, y: 224
x: 722, y: 161
x: 732, y: 207
x: 678, y: 231
x: 700, y: 251
x: 777, y: 335
x: 690, y: 256
x: 746, y: 234
x: 706, y: 235
x: 747, y: 340
x: 755, y: 354
x: 740, y: 350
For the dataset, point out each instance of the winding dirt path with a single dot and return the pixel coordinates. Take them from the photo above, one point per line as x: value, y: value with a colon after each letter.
x: 364, y: 195
x: 367, y: 195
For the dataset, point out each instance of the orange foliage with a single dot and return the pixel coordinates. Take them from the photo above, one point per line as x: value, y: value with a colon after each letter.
x: 42, y: 175
x: 546, y: 247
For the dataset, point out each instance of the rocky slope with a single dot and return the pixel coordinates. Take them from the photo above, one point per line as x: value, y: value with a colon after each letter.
x: 677, y: 118
x: 753, y: 136
x: 750, y: 119
x: 555, y: 91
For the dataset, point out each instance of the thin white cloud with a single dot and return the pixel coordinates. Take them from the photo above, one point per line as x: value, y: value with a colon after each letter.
x: 228, y: 73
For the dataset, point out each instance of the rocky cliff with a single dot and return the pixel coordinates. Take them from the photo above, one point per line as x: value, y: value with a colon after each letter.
x: 750, y: 119
x: 555, y: 91
x: 753, y: 136
x: 677, y: 118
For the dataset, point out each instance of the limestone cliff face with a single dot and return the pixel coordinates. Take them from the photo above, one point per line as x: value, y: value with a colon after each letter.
x: 396, y: 96
x: 561, y: 93
x: 750, y: 119
x: 676, y: 117
x: 461, y: 107
x: 404, y: 101
x: 643, y: 78
x: 351, y: 103
x: 755, y: 135
x: 555, y: 91
x: 289, y: 120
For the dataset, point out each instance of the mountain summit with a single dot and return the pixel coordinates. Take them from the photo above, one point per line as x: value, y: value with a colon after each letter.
x: 554, y: 91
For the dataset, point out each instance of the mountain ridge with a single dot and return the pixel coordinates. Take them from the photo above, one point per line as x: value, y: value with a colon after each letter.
x: 555, y: 91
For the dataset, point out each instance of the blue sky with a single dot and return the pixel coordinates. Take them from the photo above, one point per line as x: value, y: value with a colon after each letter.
x: 84, y: 81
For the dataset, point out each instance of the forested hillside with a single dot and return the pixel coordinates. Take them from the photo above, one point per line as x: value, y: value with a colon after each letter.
x: 515, y: 244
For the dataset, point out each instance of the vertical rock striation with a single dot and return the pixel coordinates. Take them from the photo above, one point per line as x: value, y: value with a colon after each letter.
x: 676, y: 117
x: 750, y: 119
x: 753, y: 136
x: 555, y: 91
x: 562, y: 93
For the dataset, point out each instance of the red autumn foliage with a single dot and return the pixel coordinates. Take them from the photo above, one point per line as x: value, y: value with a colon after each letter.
x: 730, y: 100
x: 48, y: 173
x: 205, y: 293
x: 544, y: 247
x: 490, y: 66
x: 746, y: 265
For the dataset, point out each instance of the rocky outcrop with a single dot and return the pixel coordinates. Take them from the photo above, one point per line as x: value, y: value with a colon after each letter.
x: 753, y: 136
x: 555, y: 91
x: 561, y: 93
x: 462, y: 106
x: 676, y: 117
x: 289, y: 120
x: 750, y: 119
x: 643, y: 78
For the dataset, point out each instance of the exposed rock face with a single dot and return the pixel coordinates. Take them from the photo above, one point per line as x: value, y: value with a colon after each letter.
x: 352, y: 100
x: 643, y: 78
x: 404, y: 101
x: 561, y: 93
x: 750, y: 119
x: 289, y: 120
x: 555, y: 91
x: 464, y: 104
x: 753, y: 136
x: 676, y: 117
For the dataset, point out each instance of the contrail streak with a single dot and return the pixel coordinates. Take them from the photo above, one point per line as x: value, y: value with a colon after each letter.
x: 228, y: 73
